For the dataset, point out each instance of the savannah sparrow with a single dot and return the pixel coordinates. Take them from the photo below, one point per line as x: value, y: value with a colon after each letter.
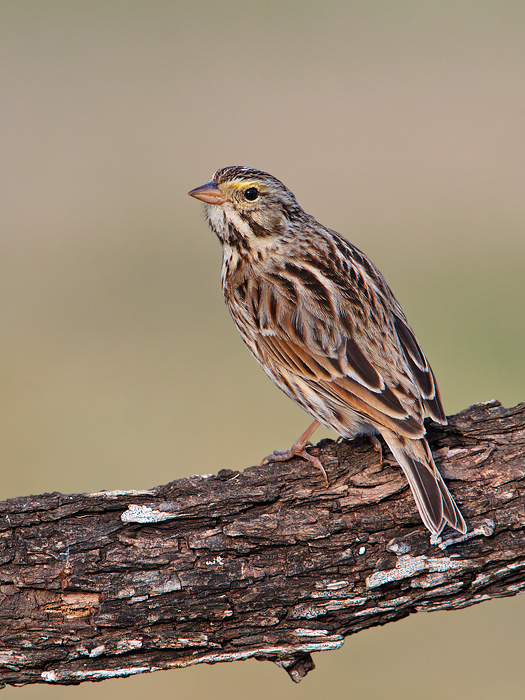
x: 324, y: 325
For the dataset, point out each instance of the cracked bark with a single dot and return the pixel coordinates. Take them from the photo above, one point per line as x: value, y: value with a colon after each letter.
x: 267, y: 563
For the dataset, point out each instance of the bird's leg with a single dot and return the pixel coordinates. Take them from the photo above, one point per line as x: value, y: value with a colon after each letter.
x: 298, y: 449
x: 376, y: 444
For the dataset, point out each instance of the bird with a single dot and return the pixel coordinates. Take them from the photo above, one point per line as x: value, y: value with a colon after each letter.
x: 324, y: 325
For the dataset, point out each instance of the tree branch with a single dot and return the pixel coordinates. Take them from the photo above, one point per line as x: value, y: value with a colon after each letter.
x: 267, y: 563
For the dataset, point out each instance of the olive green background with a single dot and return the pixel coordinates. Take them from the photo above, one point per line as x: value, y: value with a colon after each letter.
x: 400, y: 124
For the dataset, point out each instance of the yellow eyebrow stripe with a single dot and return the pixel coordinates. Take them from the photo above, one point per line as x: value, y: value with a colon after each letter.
x: 244, y: 184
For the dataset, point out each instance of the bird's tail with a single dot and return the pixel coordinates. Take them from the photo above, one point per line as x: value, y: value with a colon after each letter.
x: 434, y: 502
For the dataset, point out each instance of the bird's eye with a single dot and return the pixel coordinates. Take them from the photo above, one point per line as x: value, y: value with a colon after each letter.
x: 251, y: 193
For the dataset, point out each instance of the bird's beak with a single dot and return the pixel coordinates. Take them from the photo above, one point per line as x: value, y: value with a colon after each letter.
x: 208, y: 193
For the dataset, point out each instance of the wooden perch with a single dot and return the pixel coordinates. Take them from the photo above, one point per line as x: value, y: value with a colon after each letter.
x: 267, y: 563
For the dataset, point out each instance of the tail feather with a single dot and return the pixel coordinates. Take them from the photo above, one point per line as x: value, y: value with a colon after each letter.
x: 433, y: 499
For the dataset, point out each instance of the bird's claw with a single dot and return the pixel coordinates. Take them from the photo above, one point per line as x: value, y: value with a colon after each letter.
x: 296, y: 451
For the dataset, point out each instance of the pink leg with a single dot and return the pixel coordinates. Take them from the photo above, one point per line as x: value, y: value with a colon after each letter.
x: 376, y: 444
x: 298, y: 449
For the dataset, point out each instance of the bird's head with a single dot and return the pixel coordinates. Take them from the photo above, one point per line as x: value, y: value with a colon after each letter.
x: 247, y: 208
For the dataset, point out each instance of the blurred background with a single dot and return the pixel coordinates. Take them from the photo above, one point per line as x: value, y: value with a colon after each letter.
x: 399, y: 124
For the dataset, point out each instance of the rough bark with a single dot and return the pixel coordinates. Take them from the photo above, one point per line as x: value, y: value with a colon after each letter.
x: 267, y: 563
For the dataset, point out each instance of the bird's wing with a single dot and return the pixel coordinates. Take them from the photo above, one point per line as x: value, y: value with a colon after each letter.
x: 303, y: 342
x: 421, y: 370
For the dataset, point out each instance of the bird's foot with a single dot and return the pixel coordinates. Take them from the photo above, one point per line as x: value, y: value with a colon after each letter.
x: 296, y: 451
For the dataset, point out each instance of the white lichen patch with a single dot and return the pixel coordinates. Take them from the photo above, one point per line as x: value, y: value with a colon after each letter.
x: 332, y: 595
x: 145, y: 514
x: 128, y: 645
x: 450, y: 590
x: 171, y: 584
x: 398, y: 547
x: 118, y: 492
x: 12, y: 657
x: 302, y: 632
x: 198, y: 640
x: 394, y: 603
x: 485, y: 529
x: 484, y: 578
x: 61, y: 677
x: 307, y: 612
x: 126, y: 592
x: 407, y: 567
x: 344, y: 603
x: 332, y: 585
x: 370, y: 612
x: 311, y: 612
x: 322, y: 644
x: 110, y: 673
x: 214, y: 561
x: 97, y: 651
x: 48, y: 676
x: 515, y: 587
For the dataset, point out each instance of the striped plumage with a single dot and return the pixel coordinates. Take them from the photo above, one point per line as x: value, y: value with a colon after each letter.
x: 324, y: 325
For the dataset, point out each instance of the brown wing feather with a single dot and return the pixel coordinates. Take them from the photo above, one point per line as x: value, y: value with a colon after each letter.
x: 332, y: 364
x: 382, y: 408
x: 421, y: 370
x: 308, y: 330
